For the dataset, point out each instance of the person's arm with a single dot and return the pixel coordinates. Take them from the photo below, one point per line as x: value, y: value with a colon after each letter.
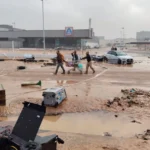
x: 65, y: 61
x: 84, y: 58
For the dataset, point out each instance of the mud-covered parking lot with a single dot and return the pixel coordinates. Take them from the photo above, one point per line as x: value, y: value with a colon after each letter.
x: 106, y: 110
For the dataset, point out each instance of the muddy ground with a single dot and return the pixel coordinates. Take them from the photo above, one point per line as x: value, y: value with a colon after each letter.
x: 118, y: 90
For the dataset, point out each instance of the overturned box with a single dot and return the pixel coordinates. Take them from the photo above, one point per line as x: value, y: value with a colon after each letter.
x: 23, y: 136
x: 54, y: 96
x: 2, y: 95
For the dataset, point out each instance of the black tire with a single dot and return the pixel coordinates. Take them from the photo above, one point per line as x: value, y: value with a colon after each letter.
x: 56, y: 104
x: 105, y: 59
x: 42, y: 103
x: 2, y: 60
x: 119, y: 62
x: 21, y: 67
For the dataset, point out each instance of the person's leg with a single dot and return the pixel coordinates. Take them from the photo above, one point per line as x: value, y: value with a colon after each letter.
x: 61, y: 65
x: 72, y: 69
x: 58, y: 65
x: 90, y: 64
x: 75, y: 66
x: 80, y: 70
x: 87, y: 67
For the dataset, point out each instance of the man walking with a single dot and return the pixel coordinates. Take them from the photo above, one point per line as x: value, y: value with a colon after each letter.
x: 75, y: 57
x: 60, y: 60
x: 89, y: 63
x: 75, y: 61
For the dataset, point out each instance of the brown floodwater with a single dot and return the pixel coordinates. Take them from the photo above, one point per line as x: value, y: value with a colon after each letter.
x: 94, y: 123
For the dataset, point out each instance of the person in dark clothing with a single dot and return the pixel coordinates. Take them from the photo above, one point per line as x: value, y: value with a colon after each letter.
x: 115, y: 48
x: 75, y: 60
x: 75, y: 57
x: 89, y: 63
x: 60, y: 60
x: 112, y: 48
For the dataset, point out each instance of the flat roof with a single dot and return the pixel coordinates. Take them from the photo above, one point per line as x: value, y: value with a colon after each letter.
x: 139, y: 43
x: 77, y: 33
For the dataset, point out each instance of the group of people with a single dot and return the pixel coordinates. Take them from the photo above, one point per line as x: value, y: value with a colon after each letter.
x: 114, y: 48
x: 75, y: 59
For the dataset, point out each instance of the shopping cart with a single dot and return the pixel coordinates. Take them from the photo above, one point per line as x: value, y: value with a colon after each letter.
x: 74, y: 66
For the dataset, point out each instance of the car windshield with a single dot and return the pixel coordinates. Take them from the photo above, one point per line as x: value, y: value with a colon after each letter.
x: 121, y: 54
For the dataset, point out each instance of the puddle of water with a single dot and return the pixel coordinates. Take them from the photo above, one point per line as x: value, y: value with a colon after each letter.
x: 95, y: 123
x: 50, y: 83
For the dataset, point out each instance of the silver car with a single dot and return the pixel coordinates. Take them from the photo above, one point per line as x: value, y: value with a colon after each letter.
x: 118, y: 57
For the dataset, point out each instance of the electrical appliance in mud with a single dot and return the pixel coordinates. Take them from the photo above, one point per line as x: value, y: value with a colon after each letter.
x: 54, y: 96
x: 29, y: 57
x: 23, y: 135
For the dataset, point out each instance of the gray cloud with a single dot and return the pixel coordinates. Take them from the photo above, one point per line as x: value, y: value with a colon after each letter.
x: 108, y: 16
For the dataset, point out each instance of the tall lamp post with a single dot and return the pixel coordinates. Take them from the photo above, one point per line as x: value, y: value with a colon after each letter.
x: 13, y: 43
x: 123, y: 36
x: 43, y: 24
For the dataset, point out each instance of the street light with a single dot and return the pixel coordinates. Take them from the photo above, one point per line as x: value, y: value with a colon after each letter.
x: 123, y: 36
x: 13, y: 26
x: 13, y: 44
x: 43, y: 24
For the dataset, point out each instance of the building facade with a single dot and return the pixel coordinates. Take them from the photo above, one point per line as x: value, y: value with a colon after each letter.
x: 34, y: 38
x: 143, y: 36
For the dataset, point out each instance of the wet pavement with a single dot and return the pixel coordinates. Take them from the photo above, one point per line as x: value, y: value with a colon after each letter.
x: 87, y: 94
x: 94, y: 123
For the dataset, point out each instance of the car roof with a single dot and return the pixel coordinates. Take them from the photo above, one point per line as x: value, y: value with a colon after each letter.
x: 116, y: 51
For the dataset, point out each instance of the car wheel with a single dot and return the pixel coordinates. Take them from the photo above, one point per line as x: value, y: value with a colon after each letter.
x: 56, y: 105
x: 43, y: 103
x: 119, y: 61
x: 105, y: 59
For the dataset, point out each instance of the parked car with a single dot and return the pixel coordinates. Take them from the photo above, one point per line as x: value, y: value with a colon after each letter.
x: 97, y: 58
x: 93, y: 57
x: 118, y: 57
x: 29, y: 57
x: 58, y: 48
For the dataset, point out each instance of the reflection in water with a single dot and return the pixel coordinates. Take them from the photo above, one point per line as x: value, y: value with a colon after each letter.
x: 62, y: 82
x: 59, y: 82
x: 94, y: 123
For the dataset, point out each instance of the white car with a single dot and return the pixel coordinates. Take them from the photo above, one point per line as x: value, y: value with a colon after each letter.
x: 118, y: 57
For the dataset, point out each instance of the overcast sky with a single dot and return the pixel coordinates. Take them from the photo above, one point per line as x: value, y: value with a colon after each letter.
x: 108, y: 16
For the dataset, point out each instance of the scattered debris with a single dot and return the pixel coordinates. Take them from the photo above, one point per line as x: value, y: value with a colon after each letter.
x: 21, y: 67
x: 105, y: 68
x: 48, y: 64
x: 30, y: 84
x: 2, y: 95
x: 131, y: 97
x: 107, y: 134
x: 134, y: 121
x: 54, y: 96
x: 5, y: 131
x: 145, y: 136
x: 109, y: 148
